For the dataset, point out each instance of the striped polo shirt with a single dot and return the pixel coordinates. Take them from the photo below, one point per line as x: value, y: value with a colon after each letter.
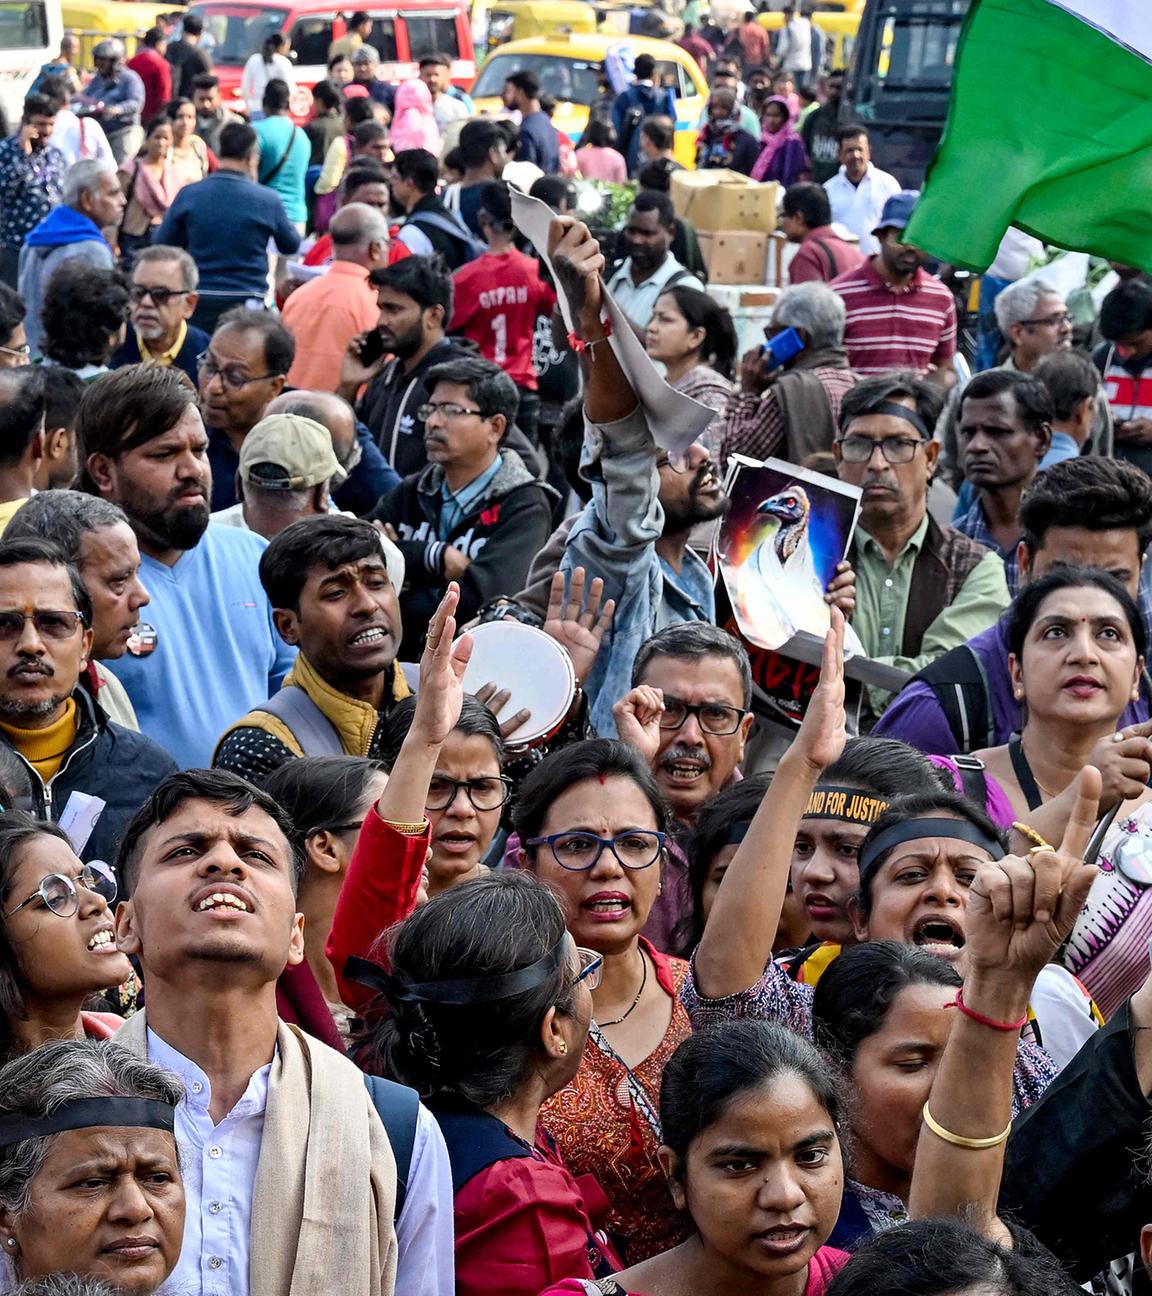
x: 888, y: 327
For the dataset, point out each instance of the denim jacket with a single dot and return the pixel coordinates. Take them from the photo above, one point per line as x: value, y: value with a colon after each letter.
x: 615, y: 538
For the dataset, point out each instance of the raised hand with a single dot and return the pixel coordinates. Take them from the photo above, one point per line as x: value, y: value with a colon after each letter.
x: 1020, y: 910
x: 824, y: 732
x: 637, y: 717
x: 578, y: 262
x: 576, y: 622
x: 1124, y: 760
x: 496, y: 699
x: 442, y: 665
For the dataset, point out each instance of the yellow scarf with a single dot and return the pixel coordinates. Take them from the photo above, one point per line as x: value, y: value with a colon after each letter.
x: 45, y: 749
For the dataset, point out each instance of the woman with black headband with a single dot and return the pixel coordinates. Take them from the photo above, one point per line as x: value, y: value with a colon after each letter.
x: 57, y: 947
x: 489, y: 1003
x: 89, y: 1176
x: 733, y: 973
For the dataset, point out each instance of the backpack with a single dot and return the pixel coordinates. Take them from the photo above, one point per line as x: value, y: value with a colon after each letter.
x: 958, y: 681
x: 399, y: 1109
x: 453, y: 226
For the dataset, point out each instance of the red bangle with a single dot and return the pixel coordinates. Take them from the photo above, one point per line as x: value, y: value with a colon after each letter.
x: 990, y: 1022
x: 579, y: 345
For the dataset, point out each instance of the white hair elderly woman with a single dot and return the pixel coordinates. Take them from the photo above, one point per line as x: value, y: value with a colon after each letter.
x: 89, y: 1177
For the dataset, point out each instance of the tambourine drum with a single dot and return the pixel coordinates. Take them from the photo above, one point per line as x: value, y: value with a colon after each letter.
x: 533, y: 667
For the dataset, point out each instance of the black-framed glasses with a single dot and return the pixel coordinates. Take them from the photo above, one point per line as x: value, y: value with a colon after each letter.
x: 897, y: 450
x: 230, y: 375
x: 635, y: 848
x: 488, y: 793
x: 449, y: 409
x: 591, y: 967
x: 49, y: 624
x: 1049, y: 321
x: 160, y: 296
x: 60, y: 893
x: 715, y: 718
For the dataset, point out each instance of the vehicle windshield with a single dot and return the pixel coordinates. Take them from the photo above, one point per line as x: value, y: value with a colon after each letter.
x: 23, y: 25
x: 234, y: 32
x: 906, y: 53
x: 571, y: 80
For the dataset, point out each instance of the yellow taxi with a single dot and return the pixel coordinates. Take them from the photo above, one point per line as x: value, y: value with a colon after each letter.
x: 96, y: 20
x: 839, y: 30
x: 578, y: 69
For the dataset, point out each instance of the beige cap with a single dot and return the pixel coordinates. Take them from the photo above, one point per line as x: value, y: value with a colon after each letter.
x: 299, y: 447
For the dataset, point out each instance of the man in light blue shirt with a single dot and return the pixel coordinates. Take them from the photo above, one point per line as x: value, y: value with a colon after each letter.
x: 208, y: 652
x: 1073, y: 382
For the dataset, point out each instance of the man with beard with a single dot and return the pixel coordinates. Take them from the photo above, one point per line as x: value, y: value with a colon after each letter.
x: 645, y: 500
x: 47, y: 717
x: 650, y: 268
x: 415, y: 300
x: 334, y: 588
x: 898, y: 315
x: 209, y: 651
x: 244, y: 366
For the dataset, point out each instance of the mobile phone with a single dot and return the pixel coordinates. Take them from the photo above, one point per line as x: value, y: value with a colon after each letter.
x: 372, y: 348
x: 780, y: 349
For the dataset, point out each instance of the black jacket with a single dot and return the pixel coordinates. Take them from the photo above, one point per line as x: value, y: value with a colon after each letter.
x: 455, y: 249
x: 390, y: 401
x: 119, y: 765
x: 501, y: 533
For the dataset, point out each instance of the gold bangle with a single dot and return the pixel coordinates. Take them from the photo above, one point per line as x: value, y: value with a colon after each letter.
x: 1030, y: 834
x: 408, y: 829
x: 958, y: 1140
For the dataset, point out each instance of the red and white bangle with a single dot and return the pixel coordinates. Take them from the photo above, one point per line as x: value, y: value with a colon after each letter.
x: 579, y: 345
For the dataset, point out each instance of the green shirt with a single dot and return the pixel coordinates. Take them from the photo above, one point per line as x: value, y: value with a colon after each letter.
x: 882, y: 597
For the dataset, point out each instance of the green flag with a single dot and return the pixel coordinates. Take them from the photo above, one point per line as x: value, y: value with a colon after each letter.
x: 1049, y: 129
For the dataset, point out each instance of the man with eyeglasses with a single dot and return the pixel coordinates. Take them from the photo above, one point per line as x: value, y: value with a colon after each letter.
x: 93, y: 202
x: 920, y: 589
x: 475, y: 514
x: 243, y: 367
x: 54, y: 725
x: 164, y: 297
x: 14, y: 349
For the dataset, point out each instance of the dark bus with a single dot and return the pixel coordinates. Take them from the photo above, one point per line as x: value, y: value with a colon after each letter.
x: 900, y: 79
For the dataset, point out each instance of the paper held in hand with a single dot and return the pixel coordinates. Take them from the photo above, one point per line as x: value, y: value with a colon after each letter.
x: 675, y: 421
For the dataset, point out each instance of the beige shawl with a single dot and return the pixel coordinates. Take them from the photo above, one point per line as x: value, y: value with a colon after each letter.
x: 326, y: 1180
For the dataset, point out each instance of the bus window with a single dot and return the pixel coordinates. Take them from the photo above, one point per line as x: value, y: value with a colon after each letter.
x: 310, y: 40
x: 383, y: 39
x: 916, y: 46
x: 23, y: 25
x: 431, y: 33
x: 238, y: 31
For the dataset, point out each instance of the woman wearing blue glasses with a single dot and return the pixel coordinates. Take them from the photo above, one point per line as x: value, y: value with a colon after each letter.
x: 57, y: 946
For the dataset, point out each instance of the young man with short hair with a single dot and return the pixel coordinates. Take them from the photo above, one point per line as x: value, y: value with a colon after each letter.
x: 1087, y: 511
x: 164, y: 296
x: 859, y: 190
x: 475, y: 514
x: 357, y: 31
x: 31, y: 180
x: 1073, y: 386
x: 211, y: 115
x: 57, y: 468
x: 643, y: 98
x: 429, y: 227
x: 820, y: 128
x: 1124, y: 359
x: 154, y: 71
x: 187, y: 56
x: 209, y: 650
x: 21, y: 436
x: 54, y: 725
x: 538, y: 140
x: 484, y: 152
x: 334, y: 590
x: 450, y: 106
x: 649, y: 267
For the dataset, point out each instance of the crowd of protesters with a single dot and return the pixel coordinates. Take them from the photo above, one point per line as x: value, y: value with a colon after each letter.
x: 736, y: 976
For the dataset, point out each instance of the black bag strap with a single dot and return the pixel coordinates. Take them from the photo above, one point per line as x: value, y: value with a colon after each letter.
x: 1023, y: 772
x: 475, y: 1141
x: 267, y: 179
x: 957, y: 679
x: 833, y: 270
x: 399, y: 1109
x: 973, y: 778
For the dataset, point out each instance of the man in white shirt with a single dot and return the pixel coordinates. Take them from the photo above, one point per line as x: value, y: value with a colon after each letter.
x: 650, y: 268
x: 795, y: 45
x: 858, y: 191
x: 288, y: 1170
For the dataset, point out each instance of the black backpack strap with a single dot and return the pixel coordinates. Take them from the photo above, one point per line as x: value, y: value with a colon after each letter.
x: 957, y: 678
x: 475, y: 1141
x: 399, y: 1108
x: 973, y: 777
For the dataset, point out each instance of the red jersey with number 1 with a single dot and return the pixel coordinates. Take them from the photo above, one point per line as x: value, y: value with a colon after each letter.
x: 497, y: 299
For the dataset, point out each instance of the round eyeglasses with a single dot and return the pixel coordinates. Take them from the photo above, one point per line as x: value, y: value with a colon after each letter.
x: 485, y: 793
x: 60, y: 893
x: 635, y: 848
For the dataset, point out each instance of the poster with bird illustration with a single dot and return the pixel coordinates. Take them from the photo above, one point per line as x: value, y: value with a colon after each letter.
x: 779, y: 544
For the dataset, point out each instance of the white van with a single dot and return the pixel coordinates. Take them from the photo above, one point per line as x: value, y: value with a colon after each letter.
x: 30, y: 32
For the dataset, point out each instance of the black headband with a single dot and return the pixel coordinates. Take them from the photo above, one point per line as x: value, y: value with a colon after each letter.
x: 849, y: 805
x: 914, y: 829
x: 893, y: 411
x: 90, y: 1113
x: 466, y: 990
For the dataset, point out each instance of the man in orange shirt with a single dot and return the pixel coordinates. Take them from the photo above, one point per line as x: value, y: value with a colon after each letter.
x: 755, y: 43
x: 327, y: 312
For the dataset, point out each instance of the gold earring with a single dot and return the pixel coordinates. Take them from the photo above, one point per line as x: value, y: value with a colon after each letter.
x: 563, y: 1047
x: 1018, y: 694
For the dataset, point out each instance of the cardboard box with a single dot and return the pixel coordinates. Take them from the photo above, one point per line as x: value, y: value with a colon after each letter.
x: 733, y: 257
x: 724, y: 200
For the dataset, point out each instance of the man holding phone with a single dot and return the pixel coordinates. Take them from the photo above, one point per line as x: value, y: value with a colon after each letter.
x: 791, y: 387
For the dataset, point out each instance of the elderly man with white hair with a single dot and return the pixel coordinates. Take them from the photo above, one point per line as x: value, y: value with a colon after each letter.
x: 1034, y: 321
x: 93, y: 202
x: 791, y: 387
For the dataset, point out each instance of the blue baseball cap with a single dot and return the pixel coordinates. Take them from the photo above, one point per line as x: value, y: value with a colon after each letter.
x: 898, y: 210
